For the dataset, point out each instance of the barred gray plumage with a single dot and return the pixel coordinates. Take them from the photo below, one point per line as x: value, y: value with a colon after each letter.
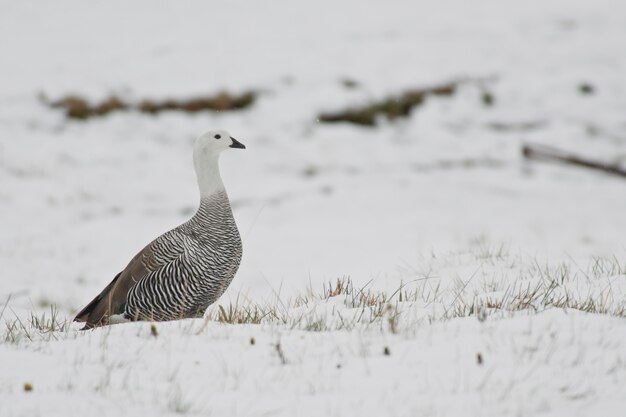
x: 182, y: 272
x: 199, y: 258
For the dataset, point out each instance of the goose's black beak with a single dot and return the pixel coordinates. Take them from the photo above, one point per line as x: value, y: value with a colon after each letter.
x: 237, y: 144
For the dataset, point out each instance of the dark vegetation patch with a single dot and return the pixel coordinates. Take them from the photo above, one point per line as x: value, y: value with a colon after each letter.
x: 586, y: 89
x: 77, y: 107
x: 350, y: 83
x: 220, y: 102
x: 487, y: 98
x: 392, y: 108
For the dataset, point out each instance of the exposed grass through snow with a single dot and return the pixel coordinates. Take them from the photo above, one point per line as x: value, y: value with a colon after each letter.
x: 78, y: 107
x: 485, y: 293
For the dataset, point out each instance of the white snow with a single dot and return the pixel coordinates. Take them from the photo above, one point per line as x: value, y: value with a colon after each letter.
x: 441, y: 201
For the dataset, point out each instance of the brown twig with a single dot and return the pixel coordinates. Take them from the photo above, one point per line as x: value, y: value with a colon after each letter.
x: 547, y: 153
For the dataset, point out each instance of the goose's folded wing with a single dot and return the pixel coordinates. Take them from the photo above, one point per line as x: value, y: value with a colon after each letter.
x: 112, y: 300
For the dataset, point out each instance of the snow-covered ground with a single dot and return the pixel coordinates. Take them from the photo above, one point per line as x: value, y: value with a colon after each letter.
x: 442, y: 197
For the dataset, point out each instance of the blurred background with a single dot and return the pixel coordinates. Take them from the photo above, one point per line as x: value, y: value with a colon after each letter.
x: 379, y: 135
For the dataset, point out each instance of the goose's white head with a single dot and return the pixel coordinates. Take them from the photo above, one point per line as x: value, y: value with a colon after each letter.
x: 206, y: 151
x: 214, y: 142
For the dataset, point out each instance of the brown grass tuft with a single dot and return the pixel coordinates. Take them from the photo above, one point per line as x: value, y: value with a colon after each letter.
x: 392, y: 108
x: 77, y: 107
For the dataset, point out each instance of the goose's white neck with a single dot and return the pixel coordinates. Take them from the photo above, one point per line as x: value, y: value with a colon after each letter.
x: 208, y: 173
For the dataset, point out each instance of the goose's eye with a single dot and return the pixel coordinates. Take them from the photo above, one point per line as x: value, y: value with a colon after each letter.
x: 217, y: 136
